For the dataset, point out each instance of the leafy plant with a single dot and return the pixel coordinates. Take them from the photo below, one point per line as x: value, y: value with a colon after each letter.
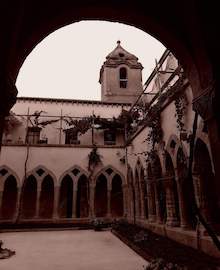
x: 180, y: 104
x: 94, y: 158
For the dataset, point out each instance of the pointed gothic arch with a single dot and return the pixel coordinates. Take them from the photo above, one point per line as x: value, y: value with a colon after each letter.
x: 101, y: 196
x: 206, y: 191
x: 82, y: 203
x: 29, y: 197
x: 117, y: 197
x: 46, y: 197
x: 65, y: 205
x: 172, y: 198
x: 9, y: 198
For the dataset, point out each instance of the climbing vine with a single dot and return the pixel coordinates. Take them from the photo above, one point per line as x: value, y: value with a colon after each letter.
x: 94, y: 158
x: 180, y: 105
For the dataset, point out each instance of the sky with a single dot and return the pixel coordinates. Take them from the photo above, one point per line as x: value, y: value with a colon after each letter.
x: 67, y: 62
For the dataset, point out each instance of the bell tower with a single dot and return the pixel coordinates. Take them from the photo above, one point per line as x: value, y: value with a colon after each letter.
x: 121, y: 76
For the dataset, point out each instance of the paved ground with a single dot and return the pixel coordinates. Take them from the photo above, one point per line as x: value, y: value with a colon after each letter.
x: 68, y: 250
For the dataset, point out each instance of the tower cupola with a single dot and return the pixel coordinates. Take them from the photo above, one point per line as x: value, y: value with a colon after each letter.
x: 121, y: 76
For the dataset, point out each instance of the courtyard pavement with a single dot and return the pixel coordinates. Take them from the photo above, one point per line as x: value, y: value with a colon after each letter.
x: 68, y: 250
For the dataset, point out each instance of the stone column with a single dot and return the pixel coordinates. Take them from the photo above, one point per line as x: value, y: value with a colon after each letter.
x: 38, y: 201
x: 131, y: 202
x: 170, y: 202
x: 142, y: 214
x: 201, y: 199
x: 137, y: 198
x: 159, y: 219
x: 74, y: 201
x: 206, y: 104
x: 56, y: 202
x: 92, y: 201
x: 18, y: 204
x: 1, y: 196
x: 125, y: 200
x: 182, y: 207
x: 196, y: 185
x: 150, y: 199
x: 109, y: 202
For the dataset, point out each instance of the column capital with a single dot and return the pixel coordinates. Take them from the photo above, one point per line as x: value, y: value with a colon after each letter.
x: 204, y: 103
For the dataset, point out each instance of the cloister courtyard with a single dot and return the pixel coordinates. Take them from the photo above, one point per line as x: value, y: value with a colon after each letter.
x: 69, y: 249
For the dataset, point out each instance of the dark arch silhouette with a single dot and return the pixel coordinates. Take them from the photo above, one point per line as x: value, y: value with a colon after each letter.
x: 82, y: 203
x: 161, y: 193
x: 117, y: 205
x: 151, y: 190
x: 29, y: 197
x: 46, y: 197
x: 137, y: 194
x: 101, y: 196
x: 208, y: 192
x: 65, y: 208
x: 187, y: 187
x: 9, y: 198
x: 170, y: 172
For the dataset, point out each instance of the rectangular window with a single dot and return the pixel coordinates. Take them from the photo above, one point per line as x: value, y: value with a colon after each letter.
x: 33, y: 135
x: 109, y: 137
x: 71, y: 136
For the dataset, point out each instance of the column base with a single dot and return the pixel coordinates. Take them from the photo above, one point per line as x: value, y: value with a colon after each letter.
x: 151, y: 218
x: 172, y: 222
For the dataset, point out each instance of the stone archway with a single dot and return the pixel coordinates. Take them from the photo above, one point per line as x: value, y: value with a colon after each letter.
x: 188, y: 219
x: 160, y: 192
x: 101, y: 190
x: 172, y: 199
x: 151, y: 194
x: 144, y: 192
x: 82, y: 202
x: 137, y: 195
x: 204, y: 183
x: 9, y: 198
x: 65, y: 207
x: 117, y: 202
x: 29, y: 198
x: 46, y: 197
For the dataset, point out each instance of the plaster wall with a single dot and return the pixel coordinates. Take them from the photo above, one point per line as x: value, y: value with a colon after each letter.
x: 58, y: 160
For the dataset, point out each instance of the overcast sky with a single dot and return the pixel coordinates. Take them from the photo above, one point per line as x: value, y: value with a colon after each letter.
x: 66, y: 64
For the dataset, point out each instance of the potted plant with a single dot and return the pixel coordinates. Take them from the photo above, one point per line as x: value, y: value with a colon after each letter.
x: 98, y: 224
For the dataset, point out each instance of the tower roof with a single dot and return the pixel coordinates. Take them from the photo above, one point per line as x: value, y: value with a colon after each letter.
x: 120, y: 53
x: 118, y: 57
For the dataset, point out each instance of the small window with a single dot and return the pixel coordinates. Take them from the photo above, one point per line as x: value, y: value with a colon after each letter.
x: 123, y: 77
x: 33, y: 135
x: 109, y: 137
x: 71, y: 136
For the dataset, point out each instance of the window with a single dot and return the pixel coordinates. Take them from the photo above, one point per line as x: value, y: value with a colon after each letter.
x: 71, y: 136
x: 123, y: 77
x: 33, y: 135
x: 109, y: 137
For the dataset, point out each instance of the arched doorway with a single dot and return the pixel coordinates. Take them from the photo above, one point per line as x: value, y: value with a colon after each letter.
x: 101, y: 196
x: 46, y: 197
x: 186, y: 187
x: 144, y: 192
x: 66, y: 198
x: 131, y: 192
x: 151, y: 194
x: 137, y: 195
x: 160, y: 190
x: 29, y: 197
x: 206, y: 191
x: 9, y: 198
x: 172, y: 199
x: 117, y: 205
x: 82, y: 203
